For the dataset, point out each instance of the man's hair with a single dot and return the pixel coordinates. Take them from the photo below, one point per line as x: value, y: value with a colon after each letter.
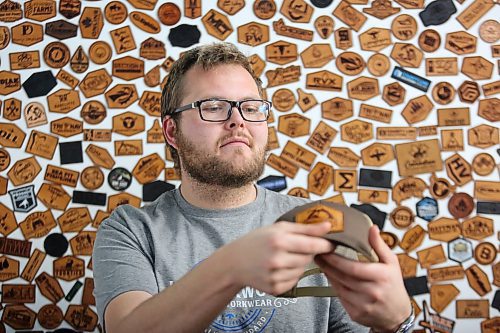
x: 207, y: 57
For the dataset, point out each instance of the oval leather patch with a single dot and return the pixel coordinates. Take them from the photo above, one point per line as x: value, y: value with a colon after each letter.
x: 145, y: 22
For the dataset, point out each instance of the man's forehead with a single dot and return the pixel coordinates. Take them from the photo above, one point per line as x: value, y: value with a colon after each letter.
x: 194, y: 74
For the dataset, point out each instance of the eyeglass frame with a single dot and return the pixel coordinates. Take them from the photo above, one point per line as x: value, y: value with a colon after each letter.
x: 237, y: 104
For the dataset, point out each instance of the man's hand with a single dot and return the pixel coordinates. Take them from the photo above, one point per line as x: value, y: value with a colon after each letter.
x: 272, y: 259
x: 373, y: 294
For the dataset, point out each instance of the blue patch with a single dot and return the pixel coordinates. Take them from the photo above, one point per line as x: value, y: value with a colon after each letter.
x: 427, y: 209
x: 410, y: 78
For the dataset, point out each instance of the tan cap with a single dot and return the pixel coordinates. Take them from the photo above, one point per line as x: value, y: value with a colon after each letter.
x: 352, y: 242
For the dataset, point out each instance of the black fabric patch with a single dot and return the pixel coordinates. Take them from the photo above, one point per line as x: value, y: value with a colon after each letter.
x: 89, y: 198
x: 151, y: 191
x: 39, y: 84
x: 71, y: 152
x: 55, y: 245
x: 416, y: 285
x: 437, y: 12
x: 483, y: 207
x: 377, y: 216
x: 273, y: 183
x: 496, y: 301
x: 321, y: 3
x: 375, y: 178
x: 184, y: 35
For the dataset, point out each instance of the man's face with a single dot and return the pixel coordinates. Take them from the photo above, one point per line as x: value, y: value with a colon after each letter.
x: 230, y: 153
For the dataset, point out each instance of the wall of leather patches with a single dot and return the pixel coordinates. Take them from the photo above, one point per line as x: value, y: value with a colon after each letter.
x: 389, y: 106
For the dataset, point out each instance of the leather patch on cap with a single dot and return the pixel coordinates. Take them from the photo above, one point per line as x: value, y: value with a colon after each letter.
x: 321, y: 213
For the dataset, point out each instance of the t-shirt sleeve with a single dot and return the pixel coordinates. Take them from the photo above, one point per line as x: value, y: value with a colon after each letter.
x: 121, y: 260
x: 340, y: 322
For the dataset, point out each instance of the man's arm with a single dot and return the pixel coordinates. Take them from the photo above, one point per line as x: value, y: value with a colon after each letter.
x: 177, y: 308
x: 275, y: 258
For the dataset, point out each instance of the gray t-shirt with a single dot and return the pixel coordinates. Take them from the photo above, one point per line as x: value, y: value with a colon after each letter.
x: 150, y: 248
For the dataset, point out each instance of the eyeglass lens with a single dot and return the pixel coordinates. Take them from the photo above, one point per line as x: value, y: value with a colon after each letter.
x: 219, y: 110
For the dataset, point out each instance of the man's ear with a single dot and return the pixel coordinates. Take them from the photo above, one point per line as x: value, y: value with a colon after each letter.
x: 169, y: 130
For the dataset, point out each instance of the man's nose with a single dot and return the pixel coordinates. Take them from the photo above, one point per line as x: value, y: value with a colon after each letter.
x: 236, y: 120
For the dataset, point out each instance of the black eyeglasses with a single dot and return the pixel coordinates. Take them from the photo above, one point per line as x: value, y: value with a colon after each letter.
x: 218, y: 110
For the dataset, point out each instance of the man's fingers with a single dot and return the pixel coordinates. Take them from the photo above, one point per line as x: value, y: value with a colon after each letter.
x: 306, y: 244
x: 288, y: 275
x: 332, y: 273
x: 292, y: 260
x: 383, y: 251
x: 313, y: 229
x: 303, y: 238
x: 362, y: 287
x: 363, y: 271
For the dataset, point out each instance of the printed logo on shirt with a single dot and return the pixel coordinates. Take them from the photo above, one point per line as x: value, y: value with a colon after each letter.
x: 249, y: 312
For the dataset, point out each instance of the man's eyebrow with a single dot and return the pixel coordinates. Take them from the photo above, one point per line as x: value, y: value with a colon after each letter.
x: 222, y: 97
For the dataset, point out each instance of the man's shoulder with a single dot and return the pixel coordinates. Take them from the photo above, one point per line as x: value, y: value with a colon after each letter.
x: 130, y: 215
x: 281, y: 202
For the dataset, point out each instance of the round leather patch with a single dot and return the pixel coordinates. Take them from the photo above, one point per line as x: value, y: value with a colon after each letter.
x: 92, y: 177
x: 50, y: 316
x: 264, y: 9
x: 56, y: 54
x: 485, y: 253
x: 100, y: 52
x: 379, y: 64
x: 93, y: 112
x: 115, y: 12
x: 460, y: 205
x: 429, y: 40
x: 483, y: 164
x: 489, y: 31
x: 169, y: 13
x: 4, y: 159
x: 443, y: 93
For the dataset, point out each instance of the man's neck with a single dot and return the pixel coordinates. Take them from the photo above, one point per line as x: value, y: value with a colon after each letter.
x: 216, y: 197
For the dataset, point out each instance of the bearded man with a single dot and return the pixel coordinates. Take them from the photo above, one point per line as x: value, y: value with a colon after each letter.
x: 207, y: 256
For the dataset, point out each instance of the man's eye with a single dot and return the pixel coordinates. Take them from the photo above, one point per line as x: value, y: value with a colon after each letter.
x: 213, y: 108
x: 251, y: 109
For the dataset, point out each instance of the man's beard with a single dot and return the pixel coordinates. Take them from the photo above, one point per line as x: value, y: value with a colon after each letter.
x: 212, y: 170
